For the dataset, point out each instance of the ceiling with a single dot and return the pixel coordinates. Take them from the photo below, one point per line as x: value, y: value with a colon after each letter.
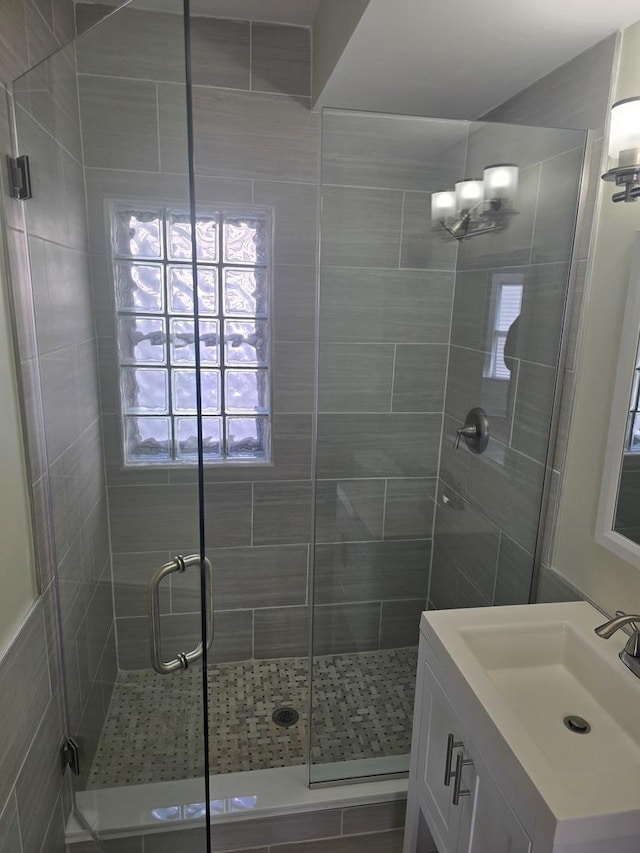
x: 455, y: 59
x: 459, y: 59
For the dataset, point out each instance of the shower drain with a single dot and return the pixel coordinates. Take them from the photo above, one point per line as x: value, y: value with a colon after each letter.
x: 285, y: 717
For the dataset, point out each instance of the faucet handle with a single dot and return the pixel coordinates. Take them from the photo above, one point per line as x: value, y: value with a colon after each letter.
x: 632, y: 646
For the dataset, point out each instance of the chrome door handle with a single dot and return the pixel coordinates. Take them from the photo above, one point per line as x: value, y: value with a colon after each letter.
x: 457, y: 792
x: 184, y: 659
x: 452, y: 744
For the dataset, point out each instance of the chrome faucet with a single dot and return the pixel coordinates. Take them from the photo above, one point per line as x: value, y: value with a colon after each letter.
x: 630, y: 655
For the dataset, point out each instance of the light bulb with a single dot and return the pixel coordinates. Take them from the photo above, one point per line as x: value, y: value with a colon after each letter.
x: 443, y: 206
x: 501, y: 183
x: 624, y: 132
x: 468, y: 193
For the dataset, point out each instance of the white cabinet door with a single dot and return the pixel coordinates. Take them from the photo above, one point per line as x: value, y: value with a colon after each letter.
x: 494, y: 826
x: 435, y: 785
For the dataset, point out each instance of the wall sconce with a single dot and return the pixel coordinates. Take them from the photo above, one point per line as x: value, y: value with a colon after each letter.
x: 624, y: 149
x: 477, y: 206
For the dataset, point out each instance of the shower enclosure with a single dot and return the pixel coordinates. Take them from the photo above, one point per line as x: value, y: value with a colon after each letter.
x: 250, y: 374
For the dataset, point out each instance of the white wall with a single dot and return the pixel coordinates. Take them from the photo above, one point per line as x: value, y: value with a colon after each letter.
x: 609, y: 581
x: 17, y: 570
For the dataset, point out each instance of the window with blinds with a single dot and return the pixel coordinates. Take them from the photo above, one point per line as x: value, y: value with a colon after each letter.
x: 632, y: 444
x: 506, y: 302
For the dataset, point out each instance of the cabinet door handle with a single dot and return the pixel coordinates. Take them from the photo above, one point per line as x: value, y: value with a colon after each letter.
x: 452, y: 744
x: 457, y: 792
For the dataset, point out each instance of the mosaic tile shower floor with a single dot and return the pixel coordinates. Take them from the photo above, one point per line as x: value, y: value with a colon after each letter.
x: 363, y: 706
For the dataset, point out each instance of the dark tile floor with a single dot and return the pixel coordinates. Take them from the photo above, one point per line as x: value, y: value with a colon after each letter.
x: 362, y: 708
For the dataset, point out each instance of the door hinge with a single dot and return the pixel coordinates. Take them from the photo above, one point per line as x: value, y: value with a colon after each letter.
x: 19, y: 177
x: 70, y: 755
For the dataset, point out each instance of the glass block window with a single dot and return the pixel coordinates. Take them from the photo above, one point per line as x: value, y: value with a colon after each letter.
x: 154, y: 294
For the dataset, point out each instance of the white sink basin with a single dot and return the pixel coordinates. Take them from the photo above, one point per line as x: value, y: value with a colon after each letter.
x: 531, y: 666
x: 546, y: 672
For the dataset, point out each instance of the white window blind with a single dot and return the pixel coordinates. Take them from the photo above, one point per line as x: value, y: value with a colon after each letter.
x: 507, y: 304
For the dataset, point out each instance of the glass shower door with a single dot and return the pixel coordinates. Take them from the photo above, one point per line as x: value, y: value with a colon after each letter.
x: 119, y: 270
x: 255, y: 161
x: 417, y: 328
x: 383, y: 335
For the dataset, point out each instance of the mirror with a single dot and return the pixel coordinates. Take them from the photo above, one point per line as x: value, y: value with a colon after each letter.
x: 618, y: 522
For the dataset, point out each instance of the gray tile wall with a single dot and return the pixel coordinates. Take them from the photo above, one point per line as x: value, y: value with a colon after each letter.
x: 63, y: 350
x: 377, y: 827
x: 32, y: 792
x: 488, y: 505
x: 387, y: 291
x: 256, y: 143
x: 386, y: 296
x: 575, y: 95
x: 31, y: 819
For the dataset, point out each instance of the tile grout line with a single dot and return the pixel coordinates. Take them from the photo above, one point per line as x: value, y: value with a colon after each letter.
x: 535, y: 216
x: 384, y: 508
x: 158, y: 127
x: 251, y: 56
x: 253, y: 504
x: 15, y: 805
x: 206, y: 86
x: 514, y: 403
x: 401, y: 241
x: 393, y: 376
x: 495, y: 578
x: 486, y: 352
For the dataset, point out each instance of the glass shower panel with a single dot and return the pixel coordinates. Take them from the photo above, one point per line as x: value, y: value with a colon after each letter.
x: 415, y: 329
x: 255, y: 160
x: 110, y: 246
x: 386, y: 290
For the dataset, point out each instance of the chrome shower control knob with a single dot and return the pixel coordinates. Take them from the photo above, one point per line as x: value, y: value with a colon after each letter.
x: 475, y: 431
x: 466, y: 431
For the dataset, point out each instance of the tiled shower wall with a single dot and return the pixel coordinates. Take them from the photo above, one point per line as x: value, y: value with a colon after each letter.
x: 32, y: 806
x: 65, y: 357
x: 488, y: 505
x: 386, y: 292
x: 575, y: 95
x: 256, y: 142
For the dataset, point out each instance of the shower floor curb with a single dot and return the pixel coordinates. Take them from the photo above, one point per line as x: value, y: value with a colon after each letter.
x: 164, y: 806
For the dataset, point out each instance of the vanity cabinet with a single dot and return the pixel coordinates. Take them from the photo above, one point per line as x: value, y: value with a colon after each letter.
x: 451, y: 785
x: 496, y: 766
x: 441, y: 739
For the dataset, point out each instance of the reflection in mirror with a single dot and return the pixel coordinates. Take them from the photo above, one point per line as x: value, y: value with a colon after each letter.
x: 618, y: 522
x: 501, y: 363
x: 627, y: 513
